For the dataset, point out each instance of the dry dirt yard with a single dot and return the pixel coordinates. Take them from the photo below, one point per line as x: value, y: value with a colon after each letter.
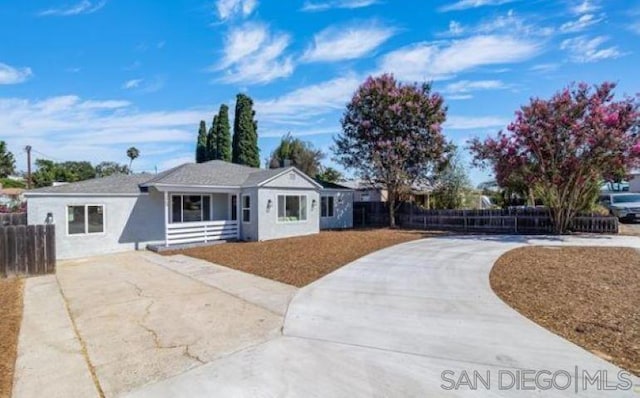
x: 588, y: 295
x: 301, y: 260
x: 10, y: 318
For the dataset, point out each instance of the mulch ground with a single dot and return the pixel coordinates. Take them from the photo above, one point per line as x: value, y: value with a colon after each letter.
x: 10, y: 318
x: 301, y: 260
x: 590, y: 296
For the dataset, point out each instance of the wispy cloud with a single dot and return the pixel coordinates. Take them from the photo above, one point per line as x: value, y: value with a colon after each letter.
x: 83, y: 7
x: 585, y: 7
x: 509, y: 23
x: 229, y: 8
x: 152, y: 85
x: 467, y: 86
x: 583, y: 49
x: 436, y: 61
x: 580, y: 24
x: 133, y: 83
x: 474, y: 122
x: 13, y: 75
x: 314, y: 6
x: 466, y: 4
x: 252, y: 55
x: 347, y: 42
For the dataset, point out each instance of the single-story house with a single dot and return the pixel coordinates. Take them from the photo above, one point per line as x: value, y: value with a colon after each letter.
x: 336, y: 206
x: 190, y: 203
x: 367, y: 192
x: 10, y: 196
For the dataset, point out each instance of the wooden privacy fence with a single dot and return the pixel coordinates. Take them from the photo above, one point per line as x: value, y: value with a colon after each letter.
x: 27, y: 250
x: 516, y: 221
x: 13, y: 219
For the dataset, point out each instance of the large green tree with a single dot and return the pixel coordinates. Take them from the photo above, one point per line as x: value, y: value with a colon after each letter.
x: 105, y: 169
x: 223, y: 135
x: 329, y: 174
x: 212, y: 141
x: 295, y: 152
x: 245, y: 133
x: 452, y: 183
x: 392, y: 135
x: 49, y: 172
x: 7, y: 161
x: 201, y: 145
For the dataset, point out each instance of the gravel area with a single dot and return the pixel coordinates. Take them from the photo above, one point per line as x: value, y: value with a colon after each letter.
x: 301, y: 260
x: 588, y: 295
x: 10, y: 318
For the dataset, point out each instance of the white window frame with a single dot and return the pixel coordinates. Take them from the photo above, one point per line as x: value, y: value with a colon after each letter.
x: 86, y: 218
x: 306, y: 199
x: 248, y: 209
x: 182, y: 195
x: 333, y: 207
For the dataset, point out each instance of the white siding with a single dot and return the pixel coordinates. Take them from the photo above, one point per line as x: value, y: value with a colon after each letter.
x: 634, y: 184
x: 270, y: 228
x: 343, y: 210
x: 249, y: 231
x: 129, y: 223
x: 292, y: 179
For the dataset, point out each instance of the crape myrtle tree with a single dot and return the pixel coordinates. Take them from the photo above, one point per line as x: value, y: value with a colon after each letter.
x: 392, y: 135
x: 565, y: 146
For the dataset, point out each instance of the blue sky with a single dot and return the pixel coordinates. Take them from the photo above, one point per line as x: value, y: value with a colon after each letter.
x: 86, y: 79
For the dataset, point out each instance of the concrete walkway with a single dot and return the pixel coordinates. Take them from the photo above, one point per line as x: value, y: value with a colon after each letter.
x: 389, y: 325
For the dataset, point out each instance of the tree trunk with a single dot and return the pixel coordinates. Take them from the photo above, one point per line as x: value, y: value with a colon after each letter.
x: 392, y: 210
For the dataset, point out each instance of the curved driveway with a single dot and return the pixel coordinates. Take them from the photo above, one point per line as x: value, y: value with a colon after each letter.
x: 389, y: 325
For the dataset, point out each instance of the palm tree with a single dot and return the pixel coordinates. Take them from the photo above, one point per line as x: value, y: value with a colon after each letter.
x: 132, y: 153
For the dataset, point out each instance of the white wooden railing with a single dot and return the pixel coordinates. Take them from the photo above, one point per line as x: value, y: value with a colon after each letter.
x: 196, y: 232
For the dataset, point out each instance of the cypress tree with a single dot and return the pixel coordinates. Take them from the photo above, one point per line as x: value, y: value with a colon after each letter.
x: 223, y: 135
x: 212, y: 147
x: 245, y: 133
x: 201, y: 146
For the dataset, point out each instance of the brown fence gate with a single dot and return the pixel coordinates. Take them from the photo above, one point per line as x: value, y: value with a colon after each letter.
x: 27, y: 250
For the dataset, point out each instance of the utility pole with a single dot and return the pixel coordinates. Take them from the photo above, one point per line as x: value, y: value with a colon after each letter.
x: 28, y: 150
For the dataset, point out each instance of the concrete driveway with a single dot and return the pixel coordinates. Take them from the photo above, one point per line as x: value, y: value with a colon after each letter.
x: 389, y: 325
x: 135, y: 320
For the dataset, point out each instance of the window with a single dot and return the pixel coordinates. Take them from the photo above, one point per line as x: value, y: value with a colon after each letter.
x: 246, y: 208
x: 190, y: 208
x: 234, y: 208
x: 326, y: 206
x: 292, y: 208
x: 85, y: 219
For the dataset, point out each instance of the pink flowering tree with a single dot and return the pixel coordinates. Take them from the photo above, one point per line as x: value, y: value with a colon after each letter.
x: 565, y: 147
x: 392, y: 135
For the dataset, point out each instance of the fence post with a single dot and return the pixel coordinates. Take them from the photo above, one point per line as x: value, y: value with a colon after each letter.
x: 464, y: 216
x: 516, y: 223
x: 4, y: 267
x: 51, y: 247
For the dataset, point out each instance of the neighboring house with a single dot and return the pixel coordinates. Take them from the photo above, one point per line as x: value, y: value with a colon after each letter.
x: 10, y: 196
x: 190, y: 203
x: 366, y: 192
x: 336, y: 206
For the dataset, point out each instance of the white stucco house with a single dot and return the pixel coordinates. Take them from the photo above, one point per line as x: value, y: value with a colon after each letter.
x: 188, y: 204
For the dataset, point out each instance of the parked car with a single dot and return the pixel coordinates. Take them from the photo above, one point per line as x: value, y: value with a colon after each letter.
x: 625, y: 206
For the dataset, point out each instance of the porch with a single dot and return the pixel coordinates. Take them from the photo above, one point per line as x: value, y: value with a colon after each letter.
x: 201, y: 217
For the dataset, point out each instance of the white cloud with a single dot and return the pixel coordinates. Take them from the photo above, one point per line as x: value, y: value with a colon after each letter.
x: 466, y: 86
x: 507, y: 24
x: 465, y: 4
x: 346, y: 42
x: 83, y: 7
x: 582, y: 49
x: 13, y: 75
x: 71, y: 128
x: 584, y: 7
x: 229, y: 8
x: 437, y: 61
x: 548, y: 67
x: 635, y: 28
x: 474, y: 122
x: 252, y: 54
x: 580, y: 24
x: 311, y: 6
x: 133, y: 83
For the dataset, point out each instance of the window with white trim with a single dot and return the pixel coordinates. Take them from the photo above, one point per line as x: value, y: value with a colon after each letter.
x: 190, y: 208
x: 246, y: 208
x: 326, y: 206
x: 85, y: 219
x: 292, y: 208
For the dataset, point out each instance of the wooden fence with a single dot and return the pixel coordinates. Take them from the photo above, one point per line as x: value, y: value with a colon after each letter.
x: 27, y: 250
x: 515, y: 221
x: 13, y: 219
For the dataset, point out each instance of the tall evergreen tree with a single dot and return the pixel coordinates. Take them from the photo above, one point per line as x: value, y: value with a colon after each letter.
x: 245, y: 133
x: 201, y: 146
x: 7, y: 161
x: 212, y: 141
x: 223, y: 135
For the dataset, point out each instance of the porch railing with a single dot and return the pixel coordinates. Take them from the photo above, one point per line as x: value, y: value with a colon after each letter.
x: 200, y: 232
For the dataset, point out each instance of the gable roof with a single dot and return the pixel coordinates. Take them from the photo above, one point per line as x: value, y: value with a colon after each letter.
x: 215, y: 173
x: 117, y: 184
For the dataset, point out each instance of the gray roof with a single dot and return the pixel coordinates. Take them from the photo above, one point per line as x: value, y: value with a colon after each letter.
x: 114, y: 184
x: 214, y: 173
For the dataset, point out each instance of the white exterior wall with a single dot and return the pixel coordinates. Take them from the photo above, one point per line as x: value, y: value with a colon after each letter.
x: 130, y: 222
x: 249, y: 231
x: 634, y: 183
x: 342, y: 212
x: 270, y: 228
